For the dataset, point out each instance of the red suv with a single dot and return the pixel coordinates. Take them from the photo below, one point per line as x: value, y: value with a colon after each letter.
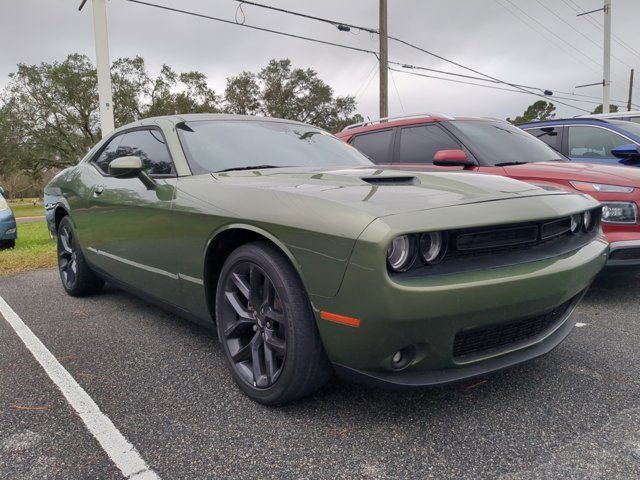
x: 438, y: 142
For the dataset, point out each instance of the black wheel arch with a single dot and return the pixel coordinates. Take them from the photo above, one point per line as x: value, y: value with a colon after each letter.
x: 219, y: 249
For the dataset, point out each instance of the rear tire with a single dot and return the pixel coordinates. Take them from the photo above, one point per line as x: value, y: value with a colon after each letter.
x: 77, y: 277
x: 267, y: 328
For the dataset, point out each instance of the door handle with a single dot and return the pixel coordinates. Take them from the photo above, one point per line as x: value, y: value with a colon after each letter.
x: 98, y: 190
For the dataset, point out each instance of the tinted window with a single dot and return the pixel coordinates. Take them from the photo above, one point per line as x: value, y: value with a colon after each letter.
x: 217, y: 145
x: 495, y: 143
x: 634, y: 119
x: 150, y: 147
x: 376, y: 146
x: 420, y: 144
x: 108, y: 154
x: 593, y: 142
x: 549, y: 135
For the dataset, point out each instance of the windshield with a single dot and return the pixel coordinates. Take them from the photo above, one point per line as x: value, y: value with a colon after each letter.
x: 213, y: 146
x: 496, y: 143
x: 3, y: 204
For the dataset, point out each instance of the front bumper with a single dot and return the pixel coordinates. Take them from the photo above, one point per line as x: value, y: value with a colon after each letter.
x: 424, y: 315
x: 8, y: 228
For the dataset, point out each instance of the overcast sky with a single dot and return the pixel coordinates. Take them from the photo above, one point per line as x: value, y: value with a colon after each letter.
x: 498, y: 37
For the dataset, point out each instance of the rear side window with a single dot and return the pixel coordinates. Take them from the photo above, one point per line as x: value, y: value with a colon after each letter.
x: 108, y: 154
x: 149, y: 145
x: 420, y: 144
x: 549, y: 135
x: 593, y: 142
x: 376, y: 145
x: 634, y: 119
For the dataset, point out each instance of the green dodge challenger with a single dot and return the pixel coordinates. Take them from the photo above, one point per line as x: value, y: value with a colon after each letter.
x: 308, y: 259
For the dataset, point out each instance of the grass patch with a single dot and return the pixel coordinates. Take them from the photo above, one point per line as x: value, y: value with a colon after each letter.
x: 26, y: 208
x: 34, y: 249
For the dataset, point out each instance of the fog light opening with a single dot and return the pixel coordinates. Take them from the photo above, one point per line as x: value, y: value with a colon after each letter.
x: 402, y: 358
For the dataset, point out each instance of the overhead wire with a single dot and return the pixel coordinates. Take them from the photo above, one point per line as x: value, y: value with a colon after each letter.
x: 576, y: 8
x: 335, y: 44
x: 391, y: 37
x: 552, y: 99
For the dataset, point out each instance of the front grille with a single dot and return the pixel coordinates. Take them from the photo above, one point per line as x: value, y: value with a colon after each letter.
x: 483, y: 341
x: 555, y: 228
x: 625, y: 254
x: 504, y: 237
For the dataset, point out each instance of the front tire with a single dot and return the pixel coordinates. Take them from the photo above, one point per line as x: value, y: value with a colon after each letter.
x: 267, y: 328
x: 7, y: 244
x: 77, y: 277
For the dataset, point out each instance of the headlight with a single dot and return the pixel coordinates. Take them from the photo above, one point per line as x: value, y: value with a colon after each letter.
x: 619, y: 212
x: 576, y: 222
x: 401, y: 253
x: 600, y: 187
x: 586, y: 220
x: 590, y: 220
x: 432, y: 247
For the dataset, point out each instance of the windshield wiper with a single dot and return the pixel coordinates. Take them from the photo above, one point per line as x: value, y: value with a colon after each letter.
x: 507, y: 164
x: 251, y: 167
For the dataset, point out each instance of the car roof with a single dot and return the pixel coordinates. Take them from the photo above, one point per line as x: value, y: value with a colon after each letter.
x: 578, y: 121
x: 195, y: 117
x: 618, y: 114
x: 385, y: 123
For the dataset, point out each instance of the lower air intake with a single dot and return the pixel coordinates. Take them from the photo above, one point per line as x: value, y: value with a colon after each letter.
x: 494, y: 338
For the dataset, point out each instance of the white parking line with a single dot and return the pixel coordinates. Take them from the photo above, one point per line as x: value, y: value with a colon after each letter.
x: 120, y: 451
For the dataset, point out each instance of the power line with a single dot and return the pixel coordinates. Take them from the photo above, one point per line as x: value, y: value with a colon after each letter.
x: 335, y: 23
x: 472, y: 77
x: 335, y: 44
x: 493, y: 87
x: 576, y: 8
x: 393, y: 80
x: 581, y: 62
x: 523, y: 12
x: 579, y: 32
x: 253, y: 27
x: 399, y: 40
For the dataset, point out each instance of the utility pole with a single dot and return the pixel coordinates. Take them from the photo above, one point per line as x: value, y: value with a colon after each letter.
x: 606, y: 64
x: 630, y: 91
x: 103, y: 64
x: 384, y: 70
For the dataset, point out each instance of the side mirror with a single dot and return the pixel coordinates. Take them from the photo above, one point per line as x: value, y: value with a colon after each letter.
x: 126, y: 167
x: 626, y: 152
x: 131, y: 167
x: 452, y: 158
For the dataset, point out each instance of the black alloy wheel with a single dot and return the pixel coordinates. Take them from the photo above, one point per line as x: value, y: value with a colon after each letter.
x: 67, y: 257
x: 78, y: 279
x: 254, y: 325
x: 267, y: 328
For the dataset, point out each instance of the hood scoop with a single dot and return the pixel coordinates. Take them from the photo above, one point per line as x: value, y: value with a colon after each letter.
x: 395, y: 180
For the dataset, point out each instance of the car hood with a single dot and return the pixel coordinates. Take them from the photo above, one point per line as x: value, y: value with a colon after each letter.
x: 382, y: 191
x: 584, y: 172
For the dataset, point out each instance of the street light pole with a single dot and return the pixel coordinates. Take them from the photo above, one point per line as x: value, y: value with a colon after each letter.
x: 606, y: 64
x: 103, y: 65
x: 384, y: 71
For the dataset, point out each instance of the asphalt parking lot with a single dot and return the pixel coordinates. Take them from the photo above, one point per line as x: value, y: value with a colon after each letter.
x: 162, y: 382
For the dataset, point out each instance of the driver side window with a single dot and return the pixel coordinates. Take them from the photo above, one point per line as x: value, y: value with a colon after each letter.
x: 109, y: 153
x: 147, y: 144
x: 593, y: 142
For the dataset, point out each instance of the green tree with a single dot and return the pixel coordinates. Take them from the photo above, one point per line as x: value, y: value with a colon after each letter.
x: 612, y: 109
x: 53, y: 114
x: 279, y: 90
x: 540, y: 110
